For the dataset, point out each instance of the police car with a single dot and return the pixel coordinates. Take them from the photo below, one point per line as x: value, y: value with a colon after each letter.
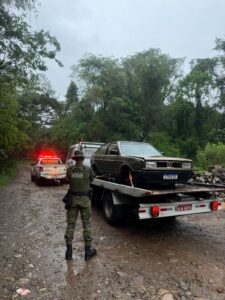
x: 48, y: 167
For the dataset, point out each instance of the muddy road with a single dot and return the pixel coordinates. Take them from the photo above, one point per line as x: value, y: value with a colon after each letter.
x: 183, y: 260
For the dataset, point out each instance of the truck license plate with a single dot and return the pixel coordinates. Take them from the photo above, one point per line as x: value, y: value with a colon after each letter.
x: 184, y: 207
x: 170, y: 176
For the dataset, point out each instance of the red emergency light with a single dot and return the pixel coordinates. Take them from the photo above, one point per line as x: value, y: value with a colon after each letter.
x: 214, y: 205
x: 47, y: 154
x: 155, y: 211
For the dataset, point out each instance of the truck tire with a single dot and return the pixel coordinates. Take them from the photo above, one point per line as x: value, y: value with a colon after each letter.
x: 112, y: 213
x: 96, y: 196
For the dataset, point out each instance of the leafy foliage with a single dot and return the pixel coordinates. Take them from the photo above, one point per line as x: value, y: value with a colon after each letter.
x: 22, y: 51
x: 212, y: 154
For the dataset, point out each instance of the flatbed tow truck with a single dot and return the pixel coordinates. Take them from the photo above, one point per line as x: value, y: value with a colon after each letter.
x: 184, y: 199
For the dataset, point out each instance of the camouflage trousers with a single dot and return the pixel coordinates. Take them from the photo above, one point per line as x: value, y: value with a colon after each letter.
x: 82, y: 205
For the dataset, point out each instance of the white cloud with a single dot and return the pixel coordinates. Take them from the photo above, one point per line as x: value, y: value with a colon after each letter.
x: 181, y: 28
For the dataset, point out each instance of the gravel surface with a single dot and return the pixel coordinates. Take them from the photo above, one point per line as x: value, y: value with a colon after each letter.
x: 180, y: 260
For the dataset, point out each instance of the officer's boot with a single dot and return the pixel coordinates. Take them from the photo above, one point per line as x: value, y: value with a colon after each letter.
x: 69, y: 252
x: 89, y: 252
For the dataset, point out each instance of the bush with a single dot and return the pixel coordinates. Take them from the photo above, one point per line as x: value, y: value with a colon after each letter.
x: 213, y: 154
x: 7, y: 172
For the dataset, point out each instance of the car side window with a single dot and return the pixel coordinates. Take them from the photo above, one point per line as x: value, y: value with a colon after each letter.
x: 102, y: 150
x: 113, y: 149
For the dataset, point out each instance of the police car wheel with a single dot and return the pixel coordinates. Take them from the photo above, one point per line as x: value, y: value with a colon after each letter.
x: 39, y: 181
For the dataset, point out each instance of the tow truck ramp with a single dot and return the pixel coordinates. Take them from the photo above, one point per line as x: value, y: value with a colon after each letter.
x: 184, y: 199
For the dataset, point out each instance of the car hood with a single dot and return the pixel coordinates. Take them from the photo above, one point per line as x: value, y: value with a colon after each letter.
x: 164, y: 158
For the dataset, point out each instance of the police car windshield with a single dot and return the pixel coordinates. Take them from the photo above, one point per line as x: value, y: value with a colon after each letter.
x: 50, y: 161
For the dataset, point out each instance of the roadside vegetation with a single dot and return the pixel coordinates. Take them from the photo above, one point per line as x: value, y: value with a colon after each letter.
x: 142, y: 97
x: 8, y: 171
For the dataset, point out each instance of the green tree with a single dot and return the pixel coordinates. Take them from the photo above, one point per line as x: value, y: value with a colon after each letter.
x: 71, y: 94
x: 22, y: 51
x: 12, y: 128
x: 151, y: 79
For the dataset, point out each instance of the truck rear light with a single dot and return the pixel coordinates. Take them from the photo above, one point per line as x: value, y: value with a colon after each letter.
x: 214, y: 205
x: 155, y: 211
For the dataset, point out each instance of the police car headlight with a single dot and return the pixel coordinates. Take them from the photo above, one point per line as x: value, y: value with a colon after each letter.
x: 151, y: 165
x: 186, y: 165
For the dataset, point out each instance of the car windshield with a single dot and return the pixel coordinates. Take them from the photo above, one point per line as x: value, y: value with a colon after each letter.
x: 50, y: 161
x: 138, y: 149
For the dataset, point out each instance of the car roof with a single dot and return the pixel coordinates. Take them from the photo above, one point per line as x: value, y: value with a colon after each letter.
x: 87, y: 144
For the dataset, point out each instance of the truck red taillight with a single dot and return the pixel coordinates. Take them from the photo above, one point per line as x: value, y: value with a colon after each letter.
x: 214, y: 205
x: 155, y: 211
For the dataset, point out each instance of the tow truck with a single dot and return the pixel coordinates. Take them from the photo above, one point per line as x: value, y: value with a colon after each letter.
x: 184, y: 199
x: 48, y: 167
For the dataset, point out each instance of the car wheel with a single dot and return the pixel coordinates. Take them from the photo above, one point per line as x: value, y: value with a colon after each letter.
x: 63, y: 181
x: 112, y: 213
x: 39, y: 181
x: 32, y: 177
x: 95, y: 170
x: 127, y: 177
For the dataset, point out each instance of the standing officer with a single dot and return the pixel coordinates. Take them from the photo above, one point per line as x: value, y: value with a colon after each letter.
x: 79, y: 184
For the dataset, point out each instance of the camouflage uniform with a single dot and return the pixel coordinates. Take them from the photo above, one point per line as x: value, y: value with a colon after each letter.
x: 79, y: 182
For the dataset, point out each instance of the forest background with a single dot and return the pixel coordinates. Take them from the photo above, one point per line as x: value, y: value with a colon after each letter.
x: 143, y: 97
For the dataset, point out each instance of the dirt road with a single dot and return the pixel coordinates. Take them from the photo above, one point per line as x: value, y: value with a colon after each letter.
x: 136, y: 261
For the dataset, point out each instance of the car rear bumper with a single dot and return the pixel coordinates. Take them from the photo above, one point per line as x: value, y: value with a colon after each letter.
x: 156, y: 177
x: 53, y: 176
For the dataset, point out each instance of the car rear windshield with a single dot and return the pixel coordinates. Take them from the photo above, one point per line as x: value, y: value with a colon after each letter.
x: 138, y: 149
x: 50, y: 161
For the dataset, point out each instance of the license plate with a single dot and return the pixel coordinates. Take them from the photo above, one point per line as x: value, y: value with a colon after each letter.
x: 170, y: 176
x: 54, y: 172
x: 184, y: 207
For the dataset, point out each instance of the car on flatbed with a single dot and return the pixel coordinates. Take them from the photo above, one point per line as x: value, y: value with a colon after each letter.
x: 88, y: 149
x: 48, y: 168
x: 139, y: 164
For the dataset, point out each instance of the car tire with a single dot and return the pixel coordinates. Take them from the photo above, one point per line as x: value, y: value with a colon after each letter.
x: 39, y: 181
x: 63, y: 181
x: 95, y: 170
x: 112, y: 213
x: 124, y: 175
x: 32, y: 177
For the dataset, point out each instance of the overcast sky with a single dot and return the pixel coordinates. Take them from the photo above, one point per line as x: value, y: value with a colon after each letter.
x: 180, y: 28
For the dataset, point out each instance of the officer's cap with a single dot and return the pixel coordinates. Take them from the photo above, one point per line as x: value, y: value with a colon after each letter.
x: 78, y: 154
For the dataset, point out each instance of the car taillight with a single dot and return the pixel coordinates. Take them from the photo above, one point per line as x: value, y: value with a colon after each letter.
x: 214, y: 205
x: 155, y: 211
x: 41, y: 169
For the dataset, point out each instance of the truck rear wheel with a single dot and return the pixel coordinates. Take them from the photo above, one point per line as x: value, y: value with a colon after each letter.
x: 112, y: 213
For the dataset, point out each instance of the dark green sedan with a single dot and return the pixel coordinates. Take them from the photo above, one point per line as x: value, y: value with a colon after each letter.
x: 139, y: 164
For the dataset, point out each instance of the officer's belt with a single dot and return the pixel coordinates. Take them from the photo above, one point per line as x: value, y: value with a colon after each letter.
x: 79, y: 194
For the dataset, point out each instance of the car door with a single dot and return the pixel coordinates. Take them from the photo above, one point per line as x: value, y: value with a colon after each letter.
x: 112, y: 159
x: 98, y: 159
